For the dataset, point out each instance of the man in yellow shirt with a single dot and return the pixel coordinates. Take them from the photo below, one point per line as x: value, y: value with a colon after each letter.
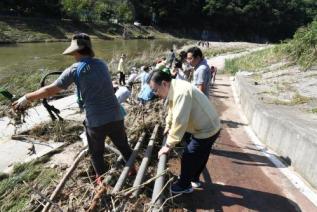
x: 189, y: 110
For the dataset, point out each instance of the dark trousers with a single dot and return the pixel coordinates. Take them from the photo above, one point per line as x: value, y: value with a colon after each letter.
x: 194, y: 158
x: 96, y: 142
x: 122, y: 78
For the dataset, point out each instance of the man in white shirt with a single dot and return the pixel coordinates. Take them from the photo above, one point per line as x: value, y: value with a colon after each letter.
x: 122, y: 92
x: 132, y: 77
x: 189, y: 110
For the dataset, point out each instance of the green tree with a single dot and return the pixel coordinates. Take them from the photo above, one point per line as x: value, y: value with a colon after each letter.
x: 35, y: 8
x: 124, y: 11
x: 272, y: 19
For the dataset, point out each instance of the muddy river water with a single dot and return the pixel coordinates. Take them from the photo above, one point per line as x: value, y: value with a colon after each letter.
x: 23, y: 65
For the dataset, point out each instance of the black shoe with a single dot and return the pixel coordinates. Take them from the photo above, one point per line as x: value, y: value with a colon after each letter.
x: 177, y: 189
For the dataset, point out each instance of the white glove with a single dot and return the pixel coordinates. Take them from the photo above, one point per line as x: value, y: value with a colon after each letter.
x: 21, y: 103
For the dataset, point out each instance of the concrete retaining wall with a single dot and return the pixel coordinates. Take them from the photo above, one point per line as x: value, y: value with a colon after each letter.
x: 286, y: 132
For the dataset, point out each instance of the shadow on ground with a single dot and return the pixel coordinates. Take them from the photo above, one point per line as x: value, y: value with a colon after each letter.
x: 218, y: 197
x: 244, y: 158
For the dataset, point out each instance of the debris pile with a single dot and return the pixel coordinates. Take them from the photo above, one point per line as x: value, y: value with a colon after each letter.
x: 79, y: 191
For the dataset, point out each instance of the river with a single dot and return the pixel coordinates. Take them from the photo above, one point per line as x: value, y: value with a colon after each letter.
x: 23, y: 65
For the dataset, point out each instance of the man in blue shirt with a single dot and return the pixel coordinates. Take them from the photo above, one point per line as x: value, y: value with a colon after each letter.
x: 94, y: 85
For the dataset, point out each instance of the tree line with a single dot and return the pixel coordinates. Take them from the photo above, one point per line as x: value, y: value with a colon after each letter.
x: 270, y: 19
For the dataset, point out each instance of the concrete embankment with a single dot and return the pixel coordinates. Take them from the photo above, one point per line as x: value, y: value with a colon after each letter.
x: 17, y: 151
x: 291, y: 134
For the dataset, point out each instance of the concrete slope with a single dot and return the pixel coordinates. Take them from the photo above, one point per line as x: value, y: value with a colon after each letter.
x: 14, y: 151
x: 290, y: 133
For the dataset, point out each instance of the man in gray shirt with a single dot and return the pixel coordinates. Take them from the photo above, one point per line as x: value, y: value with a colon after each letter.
x: 94, y: 88
x: 201, y: 73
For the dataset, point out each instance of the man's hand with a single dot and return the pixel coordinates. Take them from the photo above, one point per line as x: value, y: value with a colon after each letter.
x: 163, y: 150
x: 21, y: 103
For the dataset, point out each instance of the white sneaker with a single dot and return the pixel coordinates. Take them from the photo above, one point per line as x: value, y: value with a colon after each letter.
x: 196, y: 184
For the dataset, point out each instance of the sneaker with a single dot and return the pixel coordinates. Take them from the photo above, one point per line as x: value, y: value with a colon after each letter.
x: 197, y: 184
x: 177, y: 189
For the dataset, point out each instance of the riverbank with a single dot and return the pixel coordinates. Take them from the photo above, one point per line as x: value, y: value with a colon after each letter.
x: 33, y: 30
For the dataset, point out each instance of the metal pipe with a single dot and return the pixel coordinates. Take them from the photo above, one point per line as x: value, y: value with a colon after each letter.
x: 113, y: 149
x: 128, y: 165
x: 108, y: 178
x: 159, y: 182
x: 144, y: 164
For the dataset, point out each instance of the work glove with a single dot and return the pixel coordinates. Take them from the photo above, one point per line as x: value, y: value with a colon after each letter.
x: 21, y: 103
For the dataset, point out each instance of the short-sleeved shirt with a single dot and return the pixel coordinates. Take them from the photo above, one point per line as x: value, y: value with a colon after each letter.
x: 202, y: 76
x: 100, y: 103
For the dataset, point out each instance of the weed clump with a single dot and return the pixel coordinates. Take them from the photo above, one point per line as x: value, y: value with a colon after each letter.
x: 59, y: 131
x: 302, y: 49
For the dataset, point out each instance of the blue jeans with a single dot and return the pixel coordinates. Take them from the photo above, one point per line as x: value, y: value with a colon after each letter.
x: 194, y: 159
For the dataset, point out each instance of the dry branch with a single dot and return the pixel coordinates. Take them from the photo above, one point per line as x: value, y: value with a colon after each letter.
x: 63, y: 181
x: 43, y: 196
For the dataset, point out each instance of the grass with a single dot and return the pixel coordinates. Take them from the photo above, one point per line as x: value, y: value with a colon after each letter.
x: 296, y: 100
x: 14, y: 195
x: 299, y: 99
x: 146, y: 57
x: 314, y: 110
x: 257, y: 77
x: 302, y: 48
x: 254, y: 61
x: 59, y: 131
x: 212, y: 52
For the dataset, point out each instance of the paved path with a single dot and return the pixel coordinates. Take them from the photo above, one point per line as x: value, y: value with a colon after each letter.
x: 239, y: 177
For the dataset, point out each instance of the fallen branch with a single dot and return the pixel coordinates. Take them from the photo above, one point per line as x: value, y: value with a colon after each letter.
x: 172, y: 197
x: 127, y: 191
x: 63, y: 181
x: 43, y: 196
